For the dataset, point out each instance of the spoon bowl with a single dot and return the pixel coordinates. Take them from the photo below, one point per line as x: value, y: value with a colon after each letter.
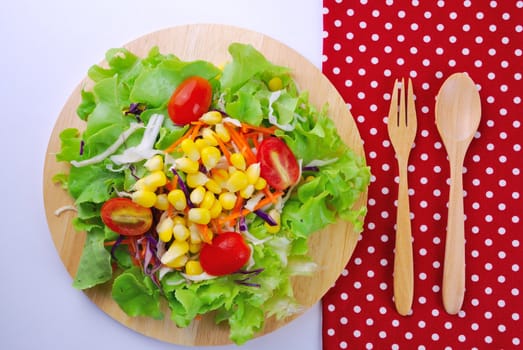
x: 458, y: 113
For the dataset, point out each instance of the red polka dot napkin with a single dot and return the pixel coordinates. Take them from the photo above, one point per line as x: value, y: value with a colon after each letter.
x: 368, y: 44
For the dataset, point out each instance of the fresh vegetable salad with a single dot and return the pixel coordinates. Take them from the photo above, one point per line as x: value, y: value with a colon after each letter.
x: 201, y: 185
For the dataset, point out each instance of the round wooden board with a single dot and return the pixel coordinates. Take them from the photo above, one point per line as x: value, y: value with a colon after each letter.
x: 330, y: 248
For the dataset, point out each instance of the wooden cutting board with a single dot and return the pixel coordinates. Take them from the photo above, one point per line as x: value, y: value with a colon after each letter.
x: 330, y: 248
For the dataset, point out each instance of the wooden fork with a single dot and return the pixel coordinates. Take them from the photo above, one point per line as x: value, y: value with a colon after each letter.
x: 402, y: 127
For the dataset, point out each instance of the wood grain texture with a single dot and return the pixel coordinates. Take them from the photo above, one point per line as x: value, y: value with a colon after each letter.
x: 330, y: 248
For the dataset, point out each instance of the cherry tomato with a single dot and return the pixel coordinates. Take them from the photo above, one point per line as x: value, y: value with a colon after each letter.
x: 278, y: 165
x: 190, y: 100
x: 125, y: 217
x: 226, y: 254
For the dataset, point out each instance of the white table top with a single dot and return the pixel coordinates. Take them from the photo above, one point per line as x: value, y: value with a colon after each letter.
x: 47, y: 47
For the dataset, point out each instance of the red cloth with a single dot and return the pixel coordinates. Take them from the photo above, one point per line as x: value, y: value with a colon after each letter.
x: 367, y: 44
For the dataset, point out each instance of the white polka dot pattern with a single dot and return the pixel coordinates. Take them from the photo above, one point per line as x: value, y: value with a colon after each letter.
x: 366, y: 46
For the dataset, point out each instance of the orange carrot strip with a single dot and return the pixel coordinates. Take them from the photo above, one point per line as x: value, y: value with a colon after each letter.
x: 242, y: 144
x: 235, y: 214
x: 205, y: 233
x: 263, y: 129
x: 191, y: 133
x: 223, y: 148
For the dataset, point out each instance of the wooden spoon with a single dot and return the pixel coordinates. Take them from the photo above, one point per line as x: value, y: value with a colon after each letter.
x: 458, y: 112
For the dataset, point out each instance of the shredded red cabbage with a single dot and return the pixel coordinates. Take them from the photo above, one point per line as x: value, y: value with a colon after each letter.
x: 268, y: 219
x: 247, y: 280
x: 183, y: 187
x: 243, y: 224
x: 115, y: 245
x: 82, y: 145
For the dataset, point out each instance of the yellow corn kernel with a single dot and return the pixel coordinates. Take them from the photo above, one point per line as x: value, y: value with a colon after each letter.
x: 237, y: 181
x: 201, y: 143
x: 208, y: 200
x: 155, y: 179
x: 197, y: 195
x: 276, y: 216
x: 216, y: 209
x: 193, y: 267
x: 238, y: 161
x: 177, y: 249
x: 211, y: 117
x: 155, y: 163
x: 199, y: 215
x: 275, y: 84
x: 177, y: 199
x: 208, y: 135
x: 194, y: 234
x: 190, y: 150
x: 220, y: 176
x: 227, y: 200
x: 179, y: 220
x: 165, y: 229
x: 196, y: 179
x: 247, y: 191
x: 144, y: 198
x: 222, y: 132
x: 195, y: 247
x: 180, y: 232
x: 162, y: 203
x: 253, y: 173
x: 140, y: 185
x: 187, y: 165
x: 260, y: 184
x: 210, y: 156
x: 213, y: 186
x: 179, y: 262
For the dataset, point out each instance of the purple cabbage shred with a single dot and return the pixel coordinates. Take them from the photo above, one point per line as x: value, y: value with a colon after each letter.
x: 266, y: 217
x: 183, y: 187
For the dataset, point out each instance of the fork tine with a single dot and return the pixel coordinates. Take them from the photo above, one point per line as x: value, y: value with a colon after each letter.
x: 411, y: 108
x: 403, y: 114
x: 393, y: 109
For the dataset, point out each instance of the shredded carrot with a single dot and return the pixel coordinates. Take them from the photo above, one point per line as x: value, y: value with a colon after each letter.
x: 223, y: 148
x: 205, y: 233
x: 262, y: 129
x: 191, y: 133
x: 242, y: 144
x: 238, y: 212
x: 111, y: 243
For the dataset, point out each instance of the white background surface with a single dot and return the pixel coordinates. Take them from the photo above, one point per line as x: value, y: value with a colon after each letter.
x: 46, y: 49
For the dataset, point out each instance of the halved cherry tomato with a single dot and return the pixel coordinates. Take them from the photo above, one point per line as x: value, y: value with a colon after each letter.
x: 278, y: 165
x: 125, y: 217
x: 226, y: 254
x: 190, y: 100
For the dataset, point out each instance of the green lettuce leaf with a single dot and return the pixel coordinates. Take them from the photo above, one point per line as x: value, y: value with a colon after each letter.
x: 95, y: 262
x: 136, y: 294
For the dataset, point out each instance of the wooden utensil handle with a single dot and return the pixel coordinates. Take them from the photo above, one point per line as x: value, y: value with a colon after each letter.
x: 403, y: 265
x: 454, y: 264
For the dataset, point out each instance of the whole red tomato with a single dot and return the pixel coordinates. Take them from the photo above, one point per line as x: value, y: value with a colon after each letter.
x: 125, y: 217
x: 190, y: 100
x: 226, y: 254
x: 278, y: 165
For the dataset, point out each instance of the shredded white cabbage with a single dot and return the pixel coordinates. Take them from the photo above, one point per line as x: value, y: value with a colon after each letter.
x: 145, y: 149
x: 254, y: 240
x: 251, y: 203
x: 197, y: 278
x: 111, y: 149
x: 272, y: 118
x: 321, y: 162
x: 60, y: 210
x: 232, y: 121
